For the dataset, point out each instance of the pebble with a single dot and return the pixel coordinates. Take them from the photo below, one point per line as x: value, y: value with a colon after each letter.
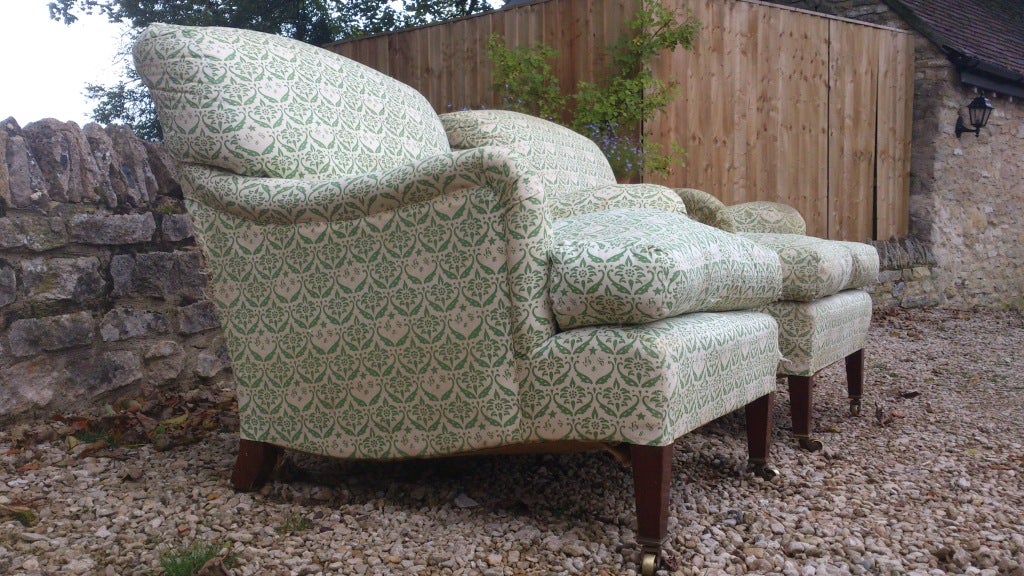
x: 929, y: 493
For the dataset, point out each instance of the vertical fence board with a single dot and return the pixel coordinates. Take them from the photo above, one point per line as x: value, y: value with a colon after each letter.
x: 852, y: 121
x: 895, y: 110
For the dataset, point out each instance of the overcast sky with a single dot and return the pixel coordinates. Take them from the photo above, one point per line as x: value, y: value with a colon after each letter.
x: 45, y: 65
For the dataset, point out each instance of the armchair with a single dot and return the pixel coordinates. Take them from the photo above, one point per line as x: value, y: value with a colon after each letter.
x: 823, y: 314
x: 384, y: 296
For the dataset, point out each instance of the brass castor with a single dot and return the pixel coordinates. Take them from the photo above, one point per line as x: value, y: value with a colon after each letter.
x: 769, y: 472
x: 854, y: 406
x: 648, y: 564
x: 764, y: 470
x: 810, y: 444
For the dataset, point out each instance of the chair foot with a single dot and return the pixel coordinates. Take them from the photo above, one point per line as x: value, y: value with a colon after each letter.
x: 764, y: 470
x: 254, y: 465
x: 855, y: 406
x: 810, y: 444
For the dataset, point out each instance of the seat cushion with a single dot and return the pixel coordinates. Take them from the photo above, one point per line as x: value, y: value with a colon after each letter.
x: 813, y: 335
x: 631, y: 266
x: 811, y: 267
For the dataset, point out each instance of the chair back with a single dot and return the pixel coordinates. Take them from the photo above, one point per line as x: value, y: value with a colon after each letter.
x: 263, y: 105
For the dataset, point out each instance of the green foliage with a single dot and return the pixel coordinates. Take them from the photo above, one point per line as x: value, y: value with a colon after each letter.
x: 317, y: 22
x: 188, y: 561
x: 295, y: 523
x: 524, y: 80
x: 612, y: 112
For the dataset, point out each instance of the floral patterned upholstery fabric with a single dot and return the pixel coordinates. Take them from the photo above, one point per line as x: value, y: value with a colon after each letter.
x: 865, y: 264
x: 766, y: 217
x: 706, y: 209
x: 813, y: 335
x: 262, y: 105
x: 384, y: 297
x: 564, y: 159
x: 647, y: 384
x: 390, y: 335
x: 811, y: 267
x: 632, y: 266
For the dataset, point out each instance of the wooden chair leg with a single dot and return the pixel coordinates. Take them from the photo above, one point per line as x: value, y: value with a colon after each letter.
x: 759, y: 436
x: 800, y: 407
x: 652, y: 479
x: 855, y: 380
x: 255, y: 463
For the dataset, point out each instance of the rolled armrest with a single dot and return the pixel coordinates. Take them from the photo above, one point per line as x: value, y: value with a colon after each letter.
x: 766, y: 218
x: 290, y: 201
x: 564, y: 159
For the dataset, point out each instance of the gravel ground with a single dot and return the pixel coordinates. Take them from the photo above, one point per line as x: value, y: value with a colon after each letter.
x: 927, y: 481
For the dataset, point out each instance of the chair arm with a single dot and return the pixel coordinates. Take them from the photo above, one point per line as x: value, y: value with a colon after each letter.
x: 291, y: 201
x: 706, y: 209
x: 564, y: 159
x: 767, y: 218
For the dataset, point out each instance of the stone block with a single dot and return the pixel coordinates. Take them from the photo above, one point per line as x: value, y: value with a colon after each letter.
x: 211, y: 361
x: 109, y: 371
x: 198, y: 317
x: 37, y: 233
x: 126, y: 323
x: 30, y: 384
x: 159, y: 275
x: 176, y: 227
x: 63, y: 156
x: 58, y: 279
x: 8, y: 285
x: 116, y: 229
x: 34, y: 335
x: 25, y: 185
x: 164, y: 361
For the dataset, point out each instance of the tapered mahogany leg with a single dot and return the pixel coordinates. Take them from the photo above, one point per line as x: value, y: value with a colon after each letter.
x: 855, y: 379
x: 652, y: 478
x: 800, y: 405
x: 759, y: 424
x: 254, y: 464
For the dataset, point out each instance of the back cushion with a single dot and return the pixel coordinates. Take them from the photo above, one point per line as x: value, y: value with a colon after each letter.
x: 263, y: 105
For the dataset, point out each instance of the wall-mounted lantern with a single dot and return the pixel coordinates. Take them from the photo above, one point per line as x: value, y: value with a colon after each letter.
x: 979, y: 110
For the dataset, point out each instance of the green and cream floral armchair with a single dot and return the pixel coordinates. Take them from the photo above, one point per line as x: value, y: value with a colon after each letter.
x: 384, y: 296
x: 824, y: 312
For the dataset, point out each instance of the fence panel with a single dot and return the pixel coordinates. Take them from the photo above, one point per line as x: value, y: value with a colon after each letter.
x: 773, y: 103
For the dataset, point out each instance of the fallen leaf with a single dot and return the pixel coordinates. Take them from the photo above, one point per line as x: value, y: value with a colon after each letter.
x: 176, y: 421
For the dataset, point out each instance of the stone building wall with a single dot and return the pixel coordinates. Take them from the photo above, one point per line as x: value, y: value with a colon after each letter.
x: 966, y: 194
x: 101, y: 289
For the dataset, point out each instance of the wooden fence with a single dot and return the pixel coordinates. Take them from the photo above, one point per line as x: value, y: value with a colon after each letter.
x: 773, y: 103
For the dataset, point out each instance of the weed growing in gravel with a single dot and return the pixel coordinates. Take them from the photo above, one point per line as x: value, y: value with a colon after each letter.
x: 295, y: 523
x: 188, y: 561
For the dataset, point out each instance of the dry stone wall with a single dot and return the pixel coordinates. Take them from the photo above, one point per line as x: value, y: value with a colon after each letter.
x: 102, y: 293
